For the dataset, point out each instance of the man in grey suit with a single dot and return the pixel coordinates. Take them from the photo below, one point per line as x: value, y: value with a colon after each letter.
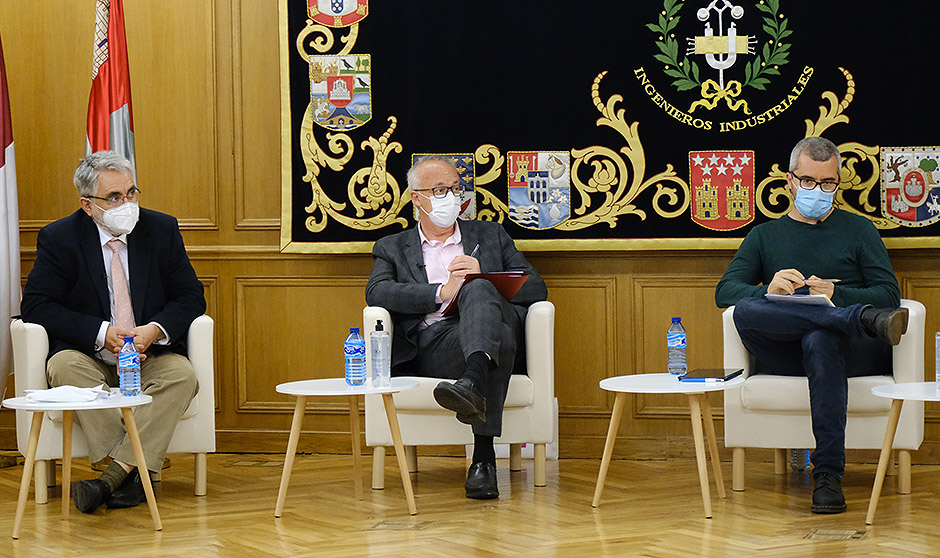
x: 415, y: 275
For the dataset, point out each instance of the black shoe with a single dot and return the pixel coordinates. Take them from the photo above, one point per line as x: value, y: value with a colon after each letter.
x: 827, y: 494
x: 463, y: 398
x: 887, y: 324
x: 89, y: 494
x: 129, y: 494
x: 481, y: 482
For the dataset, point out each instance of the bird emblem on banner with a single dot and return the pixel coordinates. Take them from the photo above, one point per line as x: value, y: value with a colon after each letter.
x: 341, y: 91
x: 910, y: 191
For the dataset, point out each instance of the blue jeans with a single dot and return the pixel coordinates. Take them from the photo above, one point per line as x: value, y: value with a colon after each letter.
x: 825, y: 344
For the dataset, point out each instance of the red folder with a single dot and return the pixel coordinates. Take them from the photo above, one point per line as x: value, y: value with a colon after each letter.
x: 507, y: 283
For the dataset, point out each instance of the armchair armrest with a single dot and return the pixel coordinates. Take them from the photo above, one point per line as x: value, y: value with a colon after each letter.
x: 30, y: 349
x: 908, y: 355
x: 540, y: 349
x: 735, y: 355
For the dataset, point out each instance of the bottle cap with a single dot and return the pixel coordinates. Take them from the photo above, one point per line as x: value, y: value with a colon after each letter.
x: 676, y: 319
x: 379, y: 326
x: 354, y: 330
x: 128, y: 338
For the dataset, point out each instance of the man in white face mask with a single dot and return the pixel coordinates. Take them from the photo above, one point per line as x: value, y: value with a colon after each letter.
x: 108, y: 271
x: 417, y: 272
x: 817, y: 249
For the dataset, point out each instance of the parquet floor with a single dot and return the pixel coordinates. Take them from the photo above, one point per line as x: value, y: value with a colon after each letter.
x: 649, y: 508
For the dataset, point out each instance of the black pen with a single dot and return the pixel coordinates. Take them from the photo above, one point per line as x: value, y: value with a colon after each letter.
x: 473, y: 253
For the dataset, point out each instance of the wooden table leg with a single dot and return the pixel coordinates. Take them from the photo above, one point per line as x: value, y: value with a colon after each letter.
x: 890, y: 431
x: 619, y: 400
x: 696, y: 413
x: 392, y: 417
x: 66, y: 461
x: 131, y: 426
x: 712, y: 444
x: 291, y: 451
x: 354, y: 432
x: 34, y: 428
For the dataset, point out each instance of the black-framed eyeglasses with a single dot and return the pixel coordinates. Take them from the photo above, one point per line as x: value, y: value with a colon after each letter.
x: 114, y: 200
x: 441, y: 191
x: 808, y: 183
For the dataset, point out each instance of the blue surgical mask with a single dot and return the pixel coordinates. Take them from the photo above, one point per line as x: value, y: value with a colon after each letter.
x: 813, y: 204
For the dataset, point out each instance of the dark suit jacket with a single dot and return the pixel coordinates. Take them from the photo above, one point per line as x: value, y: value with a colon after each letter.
x: 399, y: 282
x: 67, y: 290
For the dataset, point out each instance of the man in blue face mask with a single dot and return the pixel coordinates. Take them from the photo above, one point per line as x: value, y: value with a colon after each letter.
x: 821, y: 250
x: 417, y: 272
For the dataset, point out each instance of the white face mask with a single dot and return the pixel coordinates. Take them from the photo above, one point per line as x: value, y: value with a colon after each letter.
x: 444, y: 211
x: 120, y: 220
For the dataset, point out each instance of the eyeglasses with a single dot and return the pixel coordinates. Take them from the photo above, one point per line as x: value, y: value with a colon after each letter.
x: 808, y: 183
x: 117, y: 199
x: 441, y: 191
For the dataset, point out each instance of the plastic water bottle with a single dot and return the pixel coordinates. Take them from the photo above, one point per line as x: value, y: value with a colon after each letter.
x: 355, y: 349
x: 380, y: 345
x: 675, y: 347
x: 799, y: 460
x: 128, y: 367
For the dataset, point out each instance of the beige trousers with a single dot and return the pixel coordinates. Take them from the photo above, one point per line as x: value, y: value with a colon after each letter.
x: 169, y: 378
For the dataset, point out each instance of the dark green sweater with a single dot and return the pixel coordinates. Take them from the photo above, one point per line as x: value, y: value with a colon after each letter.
x: 845, y: 246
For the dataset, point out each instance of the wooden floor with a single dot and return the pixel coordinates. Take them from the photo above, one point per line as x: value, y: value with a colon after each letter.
x: 649, y: 508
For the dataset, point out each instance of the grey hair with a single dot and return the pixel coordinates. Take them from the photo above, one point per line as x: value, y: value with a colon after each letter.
x: 818, y: 149
x: 86, y: 175
x: 412, y: 176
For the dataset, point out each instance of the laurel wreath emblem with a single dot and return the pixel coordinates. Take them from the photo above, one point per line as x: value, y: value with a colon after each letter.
x: 686, y: 72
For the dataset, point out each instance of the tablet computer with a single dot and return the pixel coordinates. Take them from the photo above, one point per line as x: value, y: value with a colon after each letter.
x: 711, y: 374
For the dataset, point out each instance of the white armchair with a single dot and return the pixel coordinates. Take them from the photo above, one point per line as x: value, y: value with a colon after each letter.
x: 194, y: 434
x: 528, y: 415
x: 770, y: 411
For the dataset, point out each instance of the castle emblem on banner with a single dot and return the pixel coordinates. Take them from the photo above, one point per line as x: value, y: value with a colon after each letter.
x: 466, y: 173
x: 539, y: 188
x: 337, y: 13
x: 340, y: 91
x: 722, y: 184
x: 910, y: 185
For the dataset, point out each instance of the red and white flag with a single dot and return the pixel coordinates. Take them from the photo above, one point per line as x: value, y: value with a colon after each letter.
x: 9, y: 229
x: 110, y: 119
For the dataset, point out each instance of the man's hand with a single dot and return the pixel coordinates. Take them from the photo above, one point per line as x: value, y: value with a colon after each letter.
x: 114, y: 338
x: 145, y: 335
x: 818, y: 286
x: 785, y: 281
x: 459, y: 268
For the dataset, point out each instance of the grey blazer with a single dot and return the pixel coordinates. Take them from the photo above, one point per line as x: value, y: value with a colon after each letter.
x: 399, y: 282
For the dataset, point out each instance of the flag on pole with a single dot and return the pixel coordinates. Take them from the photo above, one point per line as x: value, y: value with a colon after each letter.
x: 9, y: 230
x: 110, y: 119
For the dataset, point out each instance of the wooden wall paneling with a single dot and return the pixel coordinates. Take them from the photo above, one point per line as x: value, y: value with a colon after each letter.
x: 256, y: 92
x: 657, y: 300
x: 926, y: 290
x: 171, y: 47
x: 47, y: 48
x: 292, y: 328
x: 586, y: 335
